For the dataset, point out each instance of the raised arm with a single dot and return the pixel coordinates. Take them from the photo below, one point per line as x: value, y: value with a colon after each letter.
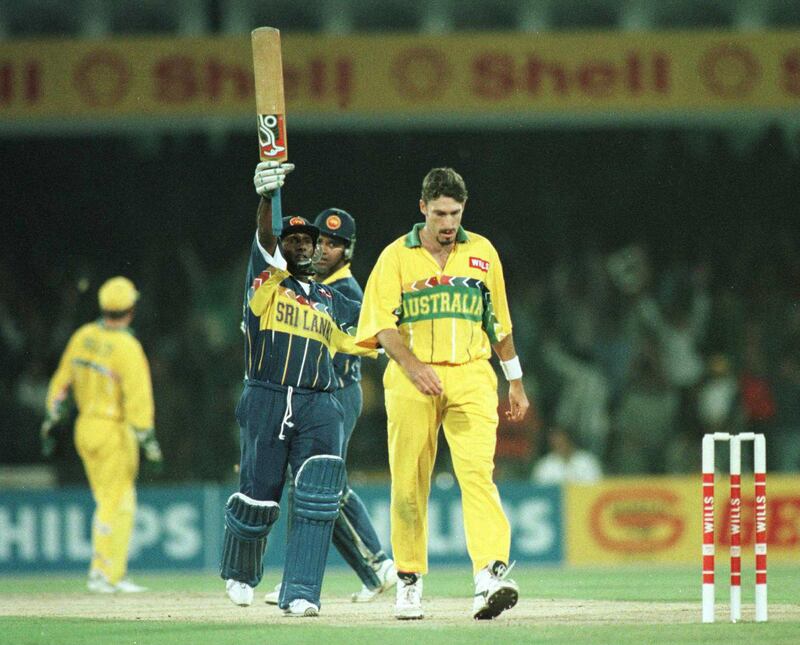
x: 264, y: 223
x: 268, y: 177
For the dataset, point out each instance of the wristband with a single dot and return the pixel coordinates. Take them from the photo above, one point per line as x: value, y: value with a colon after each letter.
x: 512, y: 369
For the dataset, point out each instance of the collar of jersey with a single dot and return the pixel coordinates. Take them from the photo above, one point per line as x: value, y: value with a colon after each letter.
x: 412, y: 239
x: 102, y: 323
x: 340, y: 274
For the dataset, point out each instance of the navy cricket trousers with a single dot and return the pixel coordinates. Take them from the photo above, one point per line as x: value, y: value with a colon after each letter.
x: 279, y: 427
x: 353, y: 508
x: 351, y: 400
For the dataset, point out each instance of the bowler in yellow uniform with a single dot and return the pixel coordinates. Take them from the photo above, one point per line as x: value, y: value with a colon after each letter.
x: 436, y: 302
x: 105, y: 370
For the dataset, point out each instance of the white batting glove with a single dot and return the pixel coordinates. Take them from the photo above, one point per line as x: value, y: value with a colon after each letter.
x: 149, y: 443
x: 152, y: 450
x: 48, y: 440
x: 269, y: 176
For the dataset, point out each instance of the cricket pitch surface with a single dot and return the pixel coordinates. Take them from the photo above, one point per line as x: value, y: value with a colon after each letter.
x: 216, y: 608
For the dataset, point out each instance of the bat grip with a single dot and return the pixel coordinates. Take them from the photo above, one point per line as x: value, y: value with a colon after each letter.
x: 277, y: 213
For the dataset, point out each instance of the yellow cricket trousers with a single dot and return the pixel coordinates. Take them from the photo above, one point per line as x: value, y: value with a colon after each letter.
x: 110, y: 455
x: 468, y: 411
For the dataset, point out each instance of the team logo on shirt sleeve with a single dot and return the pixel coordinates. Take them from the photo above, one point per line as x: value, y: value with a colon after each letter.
x: 479, y: 263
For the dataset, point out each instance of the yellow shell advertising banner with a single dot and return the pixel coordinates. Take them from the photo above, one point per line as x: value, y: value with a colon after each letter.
x: 659, y: 519
x: 380, y: 76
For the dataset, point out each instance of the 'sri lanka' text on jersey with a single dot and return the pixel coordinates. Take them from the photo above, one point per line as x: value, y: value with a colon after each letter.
x: 448, y: 315
x: 292, y: 336
x: 304, y: 319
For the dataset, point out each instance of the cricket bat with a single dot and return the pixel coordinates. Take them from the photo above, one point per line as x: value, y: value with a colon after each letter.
x: 270, y: 107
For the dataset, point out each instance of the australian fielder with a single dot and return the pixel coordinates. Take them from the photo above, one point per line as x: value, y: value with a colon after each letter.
x: 105, y: 370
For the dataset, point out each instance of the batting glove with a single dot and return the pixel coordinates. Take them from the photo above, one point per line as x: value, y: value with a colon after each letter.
x: 152, y: 451
x: 269, y: 176
x: 149, y: 443
x: 48, y: 440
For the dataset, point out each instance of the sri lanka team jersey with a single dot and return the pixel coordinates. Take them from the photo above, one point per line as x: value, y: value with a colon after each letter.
x: 292, y: 329
x: 346, y: 366
x: 445, y: 316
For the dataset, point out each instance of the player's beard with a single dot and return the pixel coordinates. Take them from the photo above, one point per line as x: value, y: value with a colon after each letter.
x: 446, y: 242
x: 304, y: 267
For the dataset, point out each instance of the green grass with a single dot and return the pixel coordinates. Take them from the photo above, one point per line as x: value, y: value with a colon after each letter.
x: 655, y: 584
x: 75, y: 632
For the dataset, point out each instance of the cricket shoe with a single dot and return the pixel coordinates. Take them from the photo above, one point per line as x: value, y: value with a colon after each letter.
x: 126, y: 585
x: 387, y: 576
x: 98, y: 583
x: 240, y: 593
x: 408, y: 598
x: 271, y: 597
x: 494, y: 591
x: 301, y: 608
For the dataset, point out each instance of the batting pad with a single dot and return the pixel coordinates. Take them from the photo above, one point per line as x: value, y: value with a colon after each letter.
x: 352, y: 533
x: 247, y: 524
x: 318, y: 488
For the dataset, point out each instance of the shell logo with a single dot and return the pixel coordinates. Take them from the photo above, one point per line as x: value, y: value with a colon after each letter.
x: 646, y: 520
x: 333, y: 222
x: 297, y: 221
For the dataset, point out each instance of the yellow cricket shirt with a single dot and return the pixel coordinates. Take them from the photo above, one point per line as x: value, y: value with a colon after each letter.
x: 108, y: 374
x: 448, y: 316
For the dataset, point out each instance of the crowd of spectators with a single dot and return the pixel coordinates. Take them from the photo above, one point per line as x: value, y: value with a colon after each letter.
x: 637, y: 362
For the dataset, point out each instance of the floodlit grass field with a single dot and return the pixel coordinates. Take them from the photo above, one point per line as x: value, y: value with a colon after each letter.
x: 620, y: 605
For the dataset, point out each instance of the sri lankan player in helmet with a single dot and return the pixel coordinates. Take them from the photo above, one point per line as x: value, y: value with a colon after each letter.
x: 354, y: 535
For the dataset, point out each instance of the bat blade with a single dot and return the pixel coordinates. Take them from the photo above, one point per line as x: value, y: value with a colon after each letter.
x: 270, y: 105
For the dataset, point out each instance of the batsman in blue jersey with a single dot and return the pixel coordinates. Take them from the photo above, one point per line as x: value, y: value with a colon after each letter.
x: 353, y: 534
x: 287, y: 413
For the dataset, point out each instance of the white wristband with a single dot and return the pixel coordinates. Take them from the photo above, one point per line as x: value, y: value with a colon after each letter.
x: 512, y: 369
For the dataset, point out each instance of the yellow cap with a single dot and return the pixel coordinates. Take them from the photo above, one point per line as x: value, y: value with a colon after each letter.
x: 117, y: 294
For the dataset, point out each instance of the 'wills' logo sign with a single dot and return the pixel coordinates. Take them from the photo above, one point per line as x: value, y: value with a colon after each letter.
x: 478, y: 263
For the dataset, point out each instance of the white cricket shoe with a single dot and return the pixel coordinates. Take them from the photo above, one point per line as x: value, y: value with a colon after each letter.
x: 98, y: 583
x: 240, y: 593
x: 494, y: 591
x: 408, y: 600
x: 271, y: 597
x: 126, y: 585
x: 300, y: 608
x: 387, y: 575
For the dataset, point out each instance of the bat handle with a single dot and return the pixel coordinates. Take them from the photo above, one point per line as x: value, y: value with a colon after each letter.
x: 277, y: 213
